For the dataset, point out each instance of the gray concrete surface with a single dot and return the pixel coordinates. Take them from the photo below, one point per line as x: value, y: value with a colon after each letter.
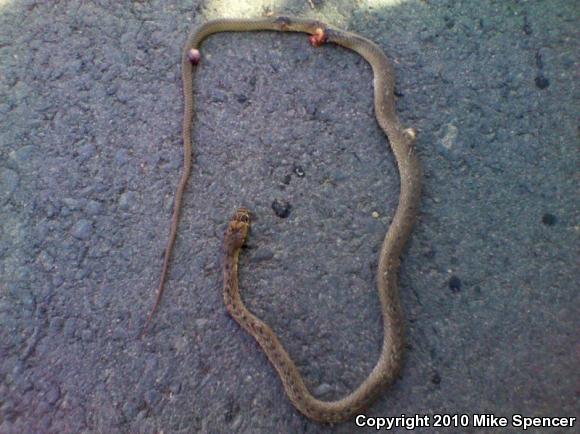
x: 90, y: 109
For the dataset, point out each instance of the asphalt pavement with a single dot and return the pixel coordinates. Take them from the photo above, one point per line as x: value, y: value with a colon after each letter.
x: 90, y: 154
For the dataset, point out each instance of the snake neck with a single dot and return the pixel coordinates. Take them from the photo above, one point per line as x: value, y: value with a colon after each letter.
x: 230, y: 270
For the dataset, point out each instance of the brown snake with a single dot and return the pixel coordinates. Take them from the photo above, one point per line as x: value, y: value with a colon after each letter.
x: 402, y: 144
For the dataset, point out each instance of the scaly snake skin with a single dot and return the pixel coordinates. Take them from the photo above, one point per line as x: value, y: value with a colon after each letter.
x: 402, y: 144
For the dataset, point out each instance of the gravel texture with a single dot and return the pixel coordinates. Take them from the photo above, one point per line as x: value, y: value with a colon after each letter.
x: 90, y: 152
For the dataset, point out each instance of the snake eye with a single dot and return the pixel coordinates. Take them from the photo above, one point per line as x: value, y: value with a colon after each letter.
x: 243, y: 215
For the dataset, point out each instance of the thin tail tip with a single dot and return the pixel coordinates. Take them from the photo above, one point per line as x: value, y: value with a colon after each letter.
x: 145, y: 328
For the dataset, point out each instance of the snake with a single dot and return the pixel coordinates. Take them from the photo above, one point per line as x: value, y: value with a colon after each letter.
x: 402, y: 143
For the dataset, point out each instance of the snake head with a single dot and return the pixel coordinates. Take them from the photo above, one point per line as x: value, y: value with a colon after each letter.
x: 238, y: 229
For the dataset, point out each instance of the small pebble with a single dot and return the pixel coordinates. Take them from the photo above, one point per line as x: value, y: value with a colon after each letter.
x: 57, y: 280
x: 94, y: 207
x: 82, y: 229
x: 218, y: 96
x: 323, y: 389
x: 262, y: 254
x: 120, y: 333
x: 51, y: 210
x: 87, y: 151
x: 542, y: 82
x: 47, y: 260
x: 175, y: 387
x: 375, y: 215
x: 339, y: 176
x: 152, y: 397
x: 237, y: 422
x: 549, y: 219
x: 121, y: 157
x: 18, y: 368
x: 127, y: 200
x: 53, y: 395
x: 8, y: 182
x: 55, y: 325
x: 281, y: 208
x: 455, y: 284
x: 69, y: 328
x: 42, y: 230
x: 201, y: 322
x: 87, y: 335
x: 526, y: 27
x: 130, y: 409
x: 23, y: 156
x: 298, y: 170
x: 72, y: 204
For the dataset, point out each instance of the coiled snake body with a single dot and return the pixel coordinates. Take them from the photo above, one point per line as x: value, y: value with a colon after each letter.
x: 402, y: 144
